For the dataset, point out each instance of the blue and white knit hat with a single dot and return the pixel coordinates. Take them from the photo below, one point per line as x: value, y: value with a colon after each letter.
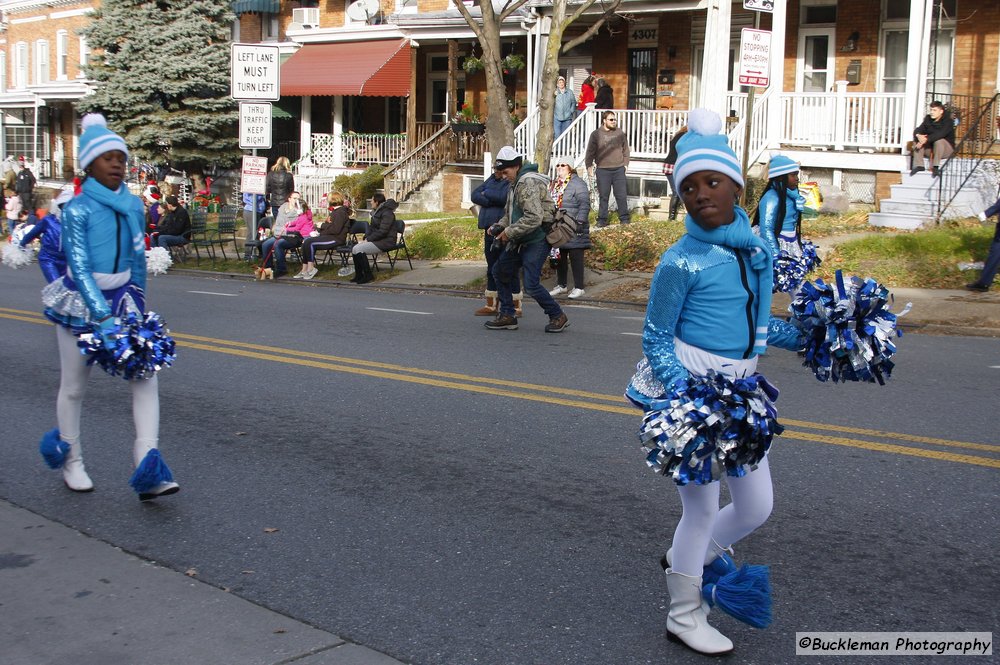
x: 780, y: 165
x: 96, y: 139
x: 703, y: 148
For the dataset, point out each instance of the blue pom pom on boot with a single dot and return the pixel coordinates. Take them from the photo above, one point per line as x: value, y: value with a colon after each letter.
x: 60, y: 454
x: 152, y: 478
x: 53, y: 449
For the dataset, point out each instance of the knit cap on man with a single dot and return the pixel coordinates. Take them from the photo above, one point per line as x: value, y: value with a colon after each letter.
x: 96, y: 139
x: 703, y: 148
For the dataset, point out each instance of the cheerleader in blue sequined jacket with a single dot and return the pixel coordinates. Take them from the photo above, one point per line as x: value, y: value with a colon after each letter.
x: 709, y: 310
x: 779, y: 213
x: 103, y: 232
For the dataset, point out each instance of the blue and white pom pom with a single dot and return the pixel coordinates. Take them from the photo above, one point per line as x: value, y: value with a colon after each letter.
x: 141, y: 347
x: 158, y: 261
x: 849, y: 329
x: 791, y: 270
x: 708, y: 426
x: 15, y: 256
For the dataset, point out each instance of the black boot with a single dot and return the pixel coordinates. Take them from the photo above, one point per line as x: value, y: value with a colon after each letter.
x: 675, y: 203
x: 362, y: 269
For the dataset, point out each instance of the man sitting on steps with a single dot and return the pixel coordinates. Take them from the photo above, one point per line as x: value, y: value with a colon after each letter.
x: 934, y: 138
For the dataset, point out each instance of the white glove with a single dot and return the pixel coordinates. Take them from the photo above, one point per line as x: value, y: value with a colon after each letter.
x: 982, y: 217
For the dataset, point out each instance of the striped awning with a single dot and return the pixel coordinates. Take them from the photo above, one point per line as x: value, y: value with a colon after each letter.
x: 241, y: 7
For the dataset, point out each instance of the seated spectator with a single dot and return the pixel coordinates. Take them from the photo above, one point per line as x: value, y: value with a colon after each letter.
x: 933, y: 139
x: 174, y: 226
x: 329, y: 235
x: 380, y: 237
x: 287, y: 235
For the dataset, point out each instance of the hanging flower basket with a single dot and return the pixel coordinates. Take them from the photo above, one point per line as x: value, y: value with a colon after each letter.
x: 472, y: 65
x: 468, y: 127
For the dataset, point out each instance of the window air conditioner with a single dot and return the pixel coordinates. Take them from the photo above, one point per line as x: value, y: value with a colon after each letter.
x: 307, y: 17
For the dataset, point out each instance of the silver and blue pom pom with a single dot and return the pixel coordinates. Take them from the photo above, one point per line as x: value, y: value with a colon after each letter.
x: 849, y: 329
x: 708, y: 426
x: 15, y: 256
x: 140, y: 348
x: 790, y: 270
x: 158, y: 261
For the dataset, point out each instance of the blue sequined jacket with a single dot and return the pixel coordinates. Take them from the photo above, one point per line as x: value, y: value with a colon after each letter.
x: 96, y: 238
x: 769, y: 215
x: 706, y: 295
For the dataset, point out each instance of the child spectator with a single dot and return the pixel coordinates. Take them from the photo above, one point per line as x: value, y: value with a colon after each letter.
x: 13, y: 207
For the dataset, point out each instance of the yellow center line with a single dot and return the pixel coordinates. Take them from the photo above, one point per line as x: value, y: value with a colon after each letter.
x: 548, y: 394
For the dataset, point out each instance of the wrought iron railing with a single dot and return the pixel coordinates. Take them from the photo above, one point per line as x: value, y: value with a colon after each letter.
x: 977, y: 140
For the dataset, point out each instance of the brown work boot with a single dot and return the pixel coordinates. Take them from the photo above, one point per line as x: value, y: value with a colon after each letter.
x: 502, y: 322
x: 557, y: 323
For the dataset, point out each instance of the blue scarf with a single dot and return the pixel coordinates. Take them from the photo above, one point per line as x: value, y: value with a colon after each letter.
x: 120, y: 200
x: 738, y: 235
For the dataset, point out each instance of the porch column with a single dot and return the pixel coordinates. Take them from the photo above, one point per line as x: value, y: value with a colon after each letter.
x: 715, y: 69
x: 916, y: 66
x: 411, y: 101
x: 338, y: 130
x: 775, y: 105
x: 305, y: 128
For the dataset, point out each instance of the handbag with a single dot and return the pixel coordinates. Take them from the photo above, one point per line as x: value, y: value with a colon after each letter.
x: 293, y: 238
x: 562, y: 229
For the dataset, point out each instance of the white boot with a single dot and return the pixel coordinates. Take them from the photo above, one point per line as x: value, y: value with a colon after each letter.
x: 686, y: 621
x: 74, y: 474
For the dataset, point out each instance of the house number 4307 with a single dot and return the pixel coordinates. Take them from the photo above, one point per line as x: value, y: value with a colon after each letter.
x: 644, y: 35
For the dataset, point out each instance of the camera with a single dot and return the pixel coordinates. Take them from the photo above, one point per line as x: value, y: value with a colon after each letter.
x: 496, y: 229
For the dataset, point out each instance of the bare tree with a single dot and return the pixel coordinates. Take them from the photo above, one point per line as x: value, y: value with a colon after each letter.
x: 499, y: 126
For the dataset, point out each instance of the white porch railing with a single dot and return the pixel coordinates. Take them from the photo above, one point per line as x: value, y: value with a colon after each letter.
x: 863, y: 120
x: 758, y: 140
x: 526, y: 133
x: 356, y: 149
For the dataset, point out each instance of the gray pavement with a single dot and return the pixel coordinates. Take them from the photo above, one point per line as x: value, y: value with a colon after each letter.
x: 69, y: 598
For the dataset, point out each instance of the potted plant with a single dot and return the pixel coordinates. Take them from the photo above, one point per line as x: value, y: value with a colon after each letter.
x: 467, y: 121
x: 512, y: 63
x: 472, y: 65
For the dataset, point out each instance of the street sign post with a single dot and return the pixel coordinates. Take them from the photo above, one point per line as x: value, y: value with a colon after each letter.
x: 255, y: 125
x: 255, y: 73
x: 755, y: 57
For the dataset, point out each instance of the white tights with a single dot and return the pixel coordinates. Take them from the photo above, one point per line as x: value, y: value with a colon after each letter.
x: 702, y: 521
x: 73, y: 386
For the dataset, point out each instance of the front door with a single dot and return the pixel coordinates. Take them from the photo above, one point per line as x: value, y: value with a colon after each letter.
x: 815, y: 71
x: 642, y: 78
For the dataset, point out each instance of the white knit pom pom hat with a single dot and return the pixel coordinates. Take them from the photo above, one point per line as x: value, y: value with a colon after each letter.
x: 96, y: 139
x: 703, y: 148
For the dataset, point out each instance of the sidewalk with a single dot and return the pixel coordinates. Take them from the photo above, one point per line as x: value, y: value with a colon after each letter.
x: 936, y: 311
x: 69, y: 599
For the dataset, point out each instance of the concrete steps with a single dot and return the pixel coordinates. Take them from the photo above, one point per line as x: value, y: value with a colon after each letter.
x: 427, y: 198
x: 913, y: 202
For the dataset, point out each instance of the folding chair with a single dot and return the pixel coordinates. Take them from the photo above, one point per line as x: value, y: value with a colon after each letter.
x: 392, y: 254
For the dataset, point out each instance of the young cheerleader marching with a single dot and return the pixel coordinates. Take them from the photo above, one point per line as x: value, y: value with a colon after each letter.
x: 103, y: 233
x: 779, y: 215
x: 708, y: 317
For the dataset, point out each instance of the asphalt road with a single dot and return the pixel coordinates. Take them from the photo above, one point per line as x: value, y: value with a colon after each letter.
x: 379, y: 465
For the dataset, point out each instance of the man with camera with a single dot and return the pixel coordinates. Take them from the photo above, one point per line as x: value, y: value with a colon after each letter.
x: 520, y: 231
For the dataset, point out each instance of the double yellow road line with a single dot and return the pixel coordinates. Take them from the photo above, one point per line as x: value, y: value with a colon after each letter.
x: 867, y: 439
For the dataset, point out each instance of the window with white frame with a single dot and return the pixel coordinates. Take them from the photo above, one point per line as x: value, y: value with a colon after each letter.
x: 817, y: 32
x: 41, y: 61
x: 269, y: 27
x: 894, y: 46
x: 62, y: 54
x: 21, y: 65
x: 84, y: 56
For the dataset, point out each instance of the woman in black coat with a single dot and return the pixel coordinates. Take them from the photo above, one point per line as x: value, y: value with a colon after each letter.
x: 605, y: 96
x: 380, y: 237
x: 279, y: 185
x: 569, y: 192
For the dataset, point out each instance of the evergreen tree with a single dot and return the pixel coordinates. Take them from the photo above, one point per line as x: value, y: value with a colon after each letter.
x: 162, y: 71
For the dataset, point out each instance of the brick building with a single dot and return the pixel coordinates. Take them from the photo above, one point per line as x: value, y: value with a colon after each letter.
x: 41, y: 75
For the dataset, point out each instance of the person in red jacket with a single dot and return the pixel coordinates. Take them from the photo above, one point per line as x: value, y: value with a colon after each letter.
x: 586, y: 94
